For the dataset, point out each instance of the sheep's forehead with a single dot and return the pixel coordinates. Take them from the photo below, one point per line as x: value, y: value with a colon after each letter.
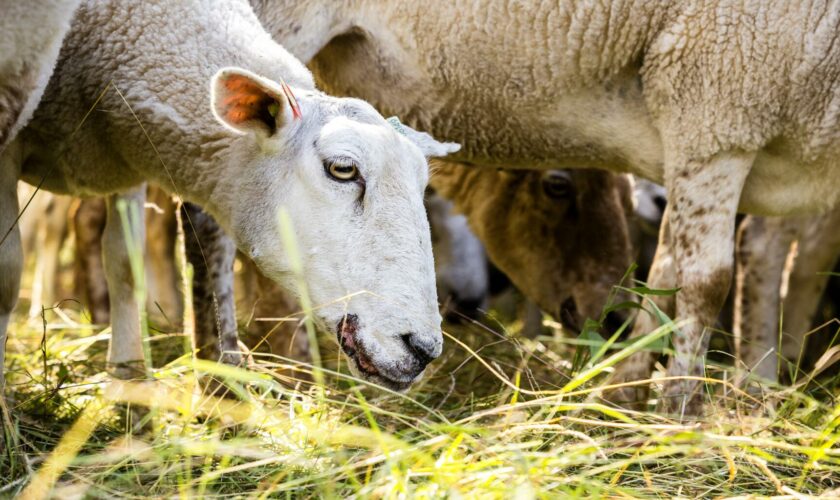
x: 379, y: 149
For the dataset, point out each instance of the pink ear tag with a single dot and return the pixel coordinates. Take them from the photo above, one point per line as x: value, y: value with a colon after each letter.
x: 292, y: 100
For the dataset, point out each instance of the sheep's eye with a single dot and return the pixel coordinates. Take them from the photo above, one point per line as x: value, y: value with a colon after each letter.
x: 558, y: 184
x: 344, y: 172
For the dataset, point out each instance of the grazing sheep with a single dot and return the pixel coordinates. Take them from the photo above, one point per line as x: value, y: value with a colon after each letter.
x: 530, y: 225
x: 351, y: 182
x: 731, y: 104
x: 319, y: 32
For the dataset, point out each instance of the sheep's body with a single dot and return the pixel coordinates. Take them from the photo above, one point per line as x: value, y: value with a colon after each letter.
x: 125, y: 45
x: 596, y: 93
x: 30, y: 38
x: 730, y: 104
x: 170, y: 107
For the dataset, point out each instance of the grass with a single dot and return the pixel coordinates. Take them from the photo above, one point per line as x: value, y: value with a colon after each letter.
x: 496, y: 417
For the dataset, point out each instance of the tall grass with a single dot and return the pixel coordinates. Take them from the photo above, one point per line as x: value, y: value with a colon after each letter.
x: 496, y: 417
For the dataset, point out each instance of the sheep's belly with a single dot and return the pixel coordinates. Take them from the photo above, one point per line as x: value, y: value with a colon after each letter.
x: 781, y: 186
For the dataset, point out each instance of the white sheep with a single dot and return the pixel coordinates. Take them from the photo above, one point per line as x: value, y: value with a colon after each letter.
x: 129, y: 103
x: 732, y: 105
x: 30, y: 38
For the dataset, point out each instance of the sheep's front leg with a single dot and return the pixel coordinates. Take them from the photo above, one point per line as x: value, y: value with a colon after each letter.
x: 11, y: 255
x: 211, y: 253
x: 763, y: 244
x: 125, y: 354
x: 640, y: 365
x: 704, y: 198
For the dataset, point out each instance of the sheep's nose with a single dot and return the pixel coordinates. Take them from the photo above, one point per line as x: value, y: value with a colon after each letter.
x: 424, y: 349
x: 660, y: 202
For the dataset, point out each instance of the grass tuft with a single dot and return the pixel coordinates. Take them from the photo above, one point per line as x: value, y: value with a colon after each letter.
x: 496, y: 417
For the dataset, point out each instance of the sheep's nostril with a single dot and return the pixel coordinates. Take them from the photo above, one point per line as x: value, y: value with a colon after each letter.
x: 423, y: 351
x: 660, y: 202
x: 614, y: 321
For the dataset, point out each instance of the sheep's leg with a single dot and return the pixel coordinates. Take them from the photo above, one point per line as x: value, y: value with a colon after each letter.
x: 762, y: 250
x: 52, y: 232
x: 125, y: 354
x: 639, y: 366
x: 89, y: 224
x: 819, y: 246
x: 702, y: 235
x: 163, y: 276
x: 11, y: 255
x: 211, y: 253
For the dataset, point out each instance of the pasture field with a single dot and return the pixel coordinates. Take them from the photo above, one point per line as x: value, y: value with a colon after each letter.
x: 497, y: 416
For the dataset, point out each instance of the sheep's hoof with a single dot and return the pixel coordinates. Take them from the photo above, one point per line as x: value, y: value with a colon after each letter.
x: 134, y: 417
x: 128, y: 370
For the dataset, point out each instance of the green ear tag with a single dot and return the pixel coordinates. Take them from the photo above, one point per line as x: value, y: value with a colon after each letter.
x: 397, y: 124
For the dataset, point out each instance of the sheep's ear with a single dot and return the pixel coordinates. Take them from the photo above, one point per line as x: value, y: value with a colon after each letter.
x: 248, y: 103
x: 427, y: 144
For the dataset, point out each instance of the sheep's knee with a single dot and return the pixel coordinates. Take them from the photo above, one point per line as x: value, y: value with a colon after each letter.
x: 126, y: 353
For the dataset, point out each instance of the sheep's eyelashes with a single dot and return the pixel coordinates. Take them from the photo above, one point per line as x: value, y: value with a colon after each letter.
x: 343, y: 172
x: 557, y: 184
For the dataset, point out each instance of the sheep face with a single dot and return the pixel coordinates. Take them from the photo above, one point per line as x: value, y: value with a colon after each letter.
x: 570, y: 222
x: 350, y: 187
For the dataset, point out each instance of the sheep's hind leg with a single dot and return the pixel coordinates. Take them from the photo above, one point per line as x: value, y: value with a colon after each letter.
x: 819, y: 247
x: 704, y: 198
x: 88, y: 224
x: 761, y: 251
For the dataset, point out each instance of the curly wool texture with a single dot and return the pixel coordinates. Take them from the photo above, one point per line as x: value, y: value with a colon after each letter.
x: 623, y: 85
x: 30, y: 37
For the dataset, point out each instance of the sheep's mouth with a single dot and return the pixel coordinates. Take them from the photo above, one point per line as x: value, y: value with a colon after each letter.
x: 569, y: 316
x: 346, y: 331
x: 346, y: 334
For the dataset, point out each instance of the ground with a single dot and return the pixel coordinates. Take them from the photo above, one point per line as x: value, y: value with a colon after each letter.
x: 496, y: 417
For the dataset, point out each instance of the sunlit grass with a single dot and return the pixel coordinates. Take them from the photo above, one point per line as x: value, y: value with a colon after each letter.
x: 496, y: 417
